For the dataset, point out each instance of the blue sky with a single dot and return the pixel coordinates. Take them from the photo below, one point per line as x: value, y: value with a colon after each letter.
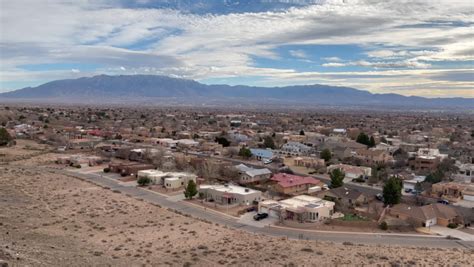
x: 420, y: 48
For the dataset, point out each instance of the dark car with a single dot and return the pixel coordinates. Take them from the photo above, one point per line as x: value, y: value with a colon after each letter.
x: 260, y: 216
x: 443, y: 201
x: 250, y: 209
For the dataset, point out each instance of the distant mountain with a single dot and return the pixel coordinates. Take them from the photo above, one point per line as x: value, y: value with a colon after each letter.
x: 162, y: 89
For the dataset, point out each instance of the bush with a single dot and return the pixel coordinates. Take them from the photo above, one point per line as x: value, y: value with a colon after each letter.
x: 384, y: 226
x: 106, y: 170
x: 143, y: 181
x: 453, y: 225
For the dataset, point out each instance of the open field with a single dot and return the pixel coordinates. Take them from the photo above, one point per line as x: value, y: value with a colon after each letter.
x: 55, y: 220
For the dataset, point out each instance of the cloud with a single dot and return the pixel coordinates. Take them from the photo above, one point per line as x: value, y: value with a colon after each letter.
x: 393, y: 34
x: 298, y: 54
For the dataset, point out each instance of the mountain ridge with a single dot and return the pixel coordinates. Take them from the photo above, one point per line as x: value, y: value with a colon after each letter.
x: 136, y: 88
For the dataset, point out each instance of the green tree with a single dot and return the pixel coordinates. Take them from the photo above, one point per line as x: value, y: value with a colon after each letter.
x: 268, y: 142
x: 223, y: 141
x: 245, y: 152
x: 392, y: 191
x: 191, y: 190
x: 143, y: 181
x: 434, y: 177
x: 371, y: 142
x: 5, y: 137
x: 337, y: 178
x: 363, y: 138
x: 302, y: 132
x: 418, y: 187
x: 326, y: 154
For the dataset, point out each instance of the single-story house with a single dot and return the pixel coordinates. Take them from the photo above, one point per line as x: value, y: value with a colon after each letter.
x: 345, y: 196
x: 261, y: 154
x: 252, y: 175
x: 410, y: 184
x: 299, y: 208
x: 426, y: 216
x: 290, y: 184
x: 229, y: 195
x: 352, y: 172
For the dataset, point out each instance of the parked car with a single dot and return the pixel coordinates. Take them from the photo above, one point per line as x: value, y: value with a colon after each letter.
x: 408, y: 190
x: 250, y: 209
x: 443, y: 201
x: 260, y: 216
x: 379, y: 197
x: 267, y: 161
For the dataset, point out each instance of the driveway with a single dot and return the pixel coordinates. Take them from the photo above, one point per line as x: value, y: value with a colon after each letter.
x: 445, y: 231
x: 247, y: 219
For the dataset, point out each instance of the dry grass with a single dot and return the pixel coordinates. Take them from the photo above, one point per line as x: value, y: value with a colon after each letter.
x: 53, y: 220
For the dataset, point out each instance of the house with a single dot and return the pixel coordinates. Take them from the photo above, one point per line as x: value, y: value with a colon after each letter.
x: 167, y: 142
x: 187, y: 143
x: 261, y: 154
x: 465, y: 173
x: 252, y: 175
x: 176, y: 180
x: 76, y: 160
x: 352, y: 172
x: 388, y: 148
x: 427, y: 160
x: 339, y: 131
x: 129, y: 168
x: 449, y: 190
x: 302, y: 209
x: 290, y: 184
x: 308, y: 162
x: 410, y: 184
x: 169, y: 180
x: 347, y: 197
x: 229, y: 195
x: 373, y: 156
x: 426, y: 216
x: 295, y: 149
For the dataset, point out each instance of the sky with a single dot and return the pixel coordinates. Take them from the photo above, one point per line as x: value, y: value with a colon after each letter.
x: 423, y: 48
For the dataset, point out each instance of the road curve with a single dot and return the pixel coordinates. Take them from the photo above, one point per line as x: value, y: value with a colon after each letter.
x: 291, y: 233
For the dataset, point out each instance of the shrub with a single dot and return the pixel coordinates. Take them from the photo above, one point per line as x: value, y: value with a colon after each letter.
x: 453, y: 225
x: 107, y: 169
x: 384, y: 226
x: 143, y: 181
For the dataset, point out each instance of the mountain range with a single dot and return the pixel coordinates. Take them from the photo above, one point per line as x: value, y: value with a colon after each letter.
x: 163, y: 89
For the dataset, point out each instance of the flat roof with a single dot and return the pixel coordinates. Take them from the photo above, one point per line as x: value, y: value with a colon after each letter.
x: 230, y: 189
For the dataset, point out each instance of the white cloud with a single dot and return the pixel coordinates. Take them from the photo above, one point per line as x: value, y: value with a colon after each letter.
x: 298, y: 54
x: 395, y: 34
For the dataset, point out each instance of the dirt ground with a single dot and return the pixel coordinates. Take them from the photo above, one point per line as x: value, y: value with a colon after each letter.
x: 24, y: 149
x: 54, y: 220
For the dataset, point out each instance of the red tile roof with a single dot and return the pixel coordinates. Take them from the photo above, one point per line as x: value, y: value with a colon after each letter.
x: 289, y: 180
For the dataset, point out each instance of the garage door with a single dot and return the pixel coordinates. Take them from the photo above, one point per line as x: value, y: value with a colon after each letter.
x: 469, y: 197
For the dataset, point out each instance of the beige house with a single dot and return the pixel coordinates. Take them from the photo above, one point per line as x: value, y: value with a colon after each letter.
x: 301, y: 208
x: 308, y: 162
x: 426, y: 216
x: 372, y: 156
x: 229, y: 195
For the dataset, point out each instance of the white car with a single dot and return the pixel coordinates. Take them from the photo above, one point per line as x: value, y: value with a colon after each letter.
x: 267, y: 161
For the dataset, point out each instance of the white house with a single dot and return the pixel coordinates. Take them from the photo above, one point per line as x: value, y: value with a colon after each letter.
x: 301, y: 208
x: 229, y: 194
x: 409, y: 185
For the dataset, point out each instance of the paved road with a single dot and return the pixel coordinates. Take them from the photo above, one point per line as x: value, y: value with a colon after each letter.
x: 216, y: 217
